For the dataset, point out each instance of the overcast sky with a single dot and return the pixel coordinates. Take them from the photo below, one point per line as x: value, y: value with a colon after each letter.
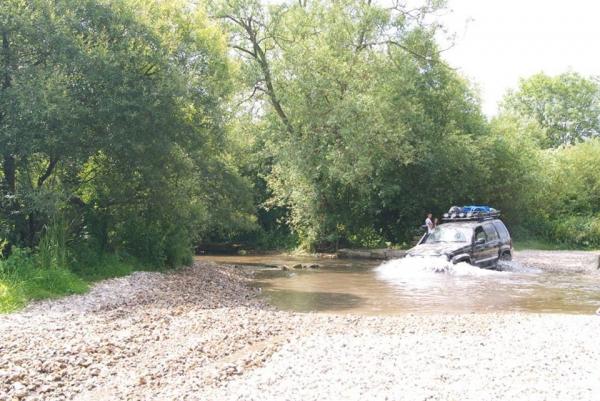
x: 499, y: 41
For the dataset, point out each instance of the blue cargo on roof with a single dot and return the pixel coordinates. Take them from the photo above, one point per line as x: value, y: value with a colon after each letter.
x: 473, y: 209
x: 471, y: 212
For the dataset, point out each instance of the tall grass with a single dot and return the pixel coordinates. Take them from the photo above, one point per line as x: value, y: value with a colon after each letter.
x: 23, y: 280
x: 52, y: 249
x: 49, y: 272
x: 26, y: 276
x: 56, y: 268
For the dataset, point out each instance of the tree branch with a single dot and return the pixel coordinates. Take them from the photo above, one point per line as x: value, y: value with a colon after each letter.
x: 244, y: 50
x: 49, y: 169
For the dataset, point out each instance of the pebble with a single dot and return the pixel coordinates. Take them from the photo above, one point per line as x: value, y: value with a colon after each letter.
x: 201, y: 333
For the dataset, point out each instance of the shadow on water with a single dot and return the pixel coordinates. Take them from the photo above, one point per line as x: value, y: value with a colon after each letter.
x: 305, y: 301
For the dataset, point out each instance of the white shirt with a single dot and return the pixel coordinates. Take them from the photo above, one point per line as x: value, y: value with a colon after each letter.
x: 429, y: 225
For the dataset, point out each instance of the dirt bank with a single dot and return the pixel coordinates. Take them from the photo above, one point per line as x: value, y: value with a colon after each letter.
x: 201, y: 334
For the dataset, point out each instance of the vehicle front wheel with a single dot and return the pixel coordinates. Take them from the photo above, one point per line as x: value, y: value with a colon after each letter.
x: 506, y: 257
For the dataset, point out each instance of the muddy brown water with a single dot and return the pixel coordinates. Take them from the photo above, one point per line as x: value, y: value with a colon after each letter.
x: 365, y: 287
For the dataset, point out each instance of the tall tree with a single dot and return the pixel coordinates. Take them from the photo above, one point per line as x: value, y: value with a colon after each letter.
x: 353, y: 98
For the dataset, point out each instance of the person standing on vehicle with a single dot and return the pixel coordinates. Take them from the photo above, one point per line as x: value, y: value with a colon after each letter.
x: 429, y: 223
x: 428, y: 226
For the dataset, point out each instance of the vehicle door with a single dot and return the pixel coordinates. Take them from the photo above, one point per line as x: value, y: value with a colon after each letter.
x: 479, y: 246
x: 505, y: 242
x: 492, y: 248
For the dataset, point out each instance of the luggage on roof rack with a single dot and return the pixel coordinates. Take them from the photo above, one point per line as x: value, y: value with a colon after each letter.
x: 470, y: 213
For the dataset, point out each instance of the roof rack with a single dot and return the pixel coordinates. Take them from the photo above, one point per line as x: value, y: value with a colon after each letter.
x: 471, y: 213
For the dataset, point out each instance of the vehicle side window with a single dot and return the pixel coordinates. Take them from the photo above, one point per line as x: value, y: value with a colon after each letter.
x: 479, y: 233
x: 491, y: 232
x: 504, y: 235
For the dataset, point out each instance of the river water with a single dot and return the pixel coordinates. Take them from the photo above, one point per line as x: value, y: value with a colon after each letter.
x: 409, y: 286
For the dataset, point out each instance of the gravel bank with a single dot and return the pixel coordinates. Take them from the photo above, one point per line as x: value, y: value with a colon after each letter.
x: 136, y: 337
x: 469, y: 357
x: 201, y: 334
x: 560, y: 261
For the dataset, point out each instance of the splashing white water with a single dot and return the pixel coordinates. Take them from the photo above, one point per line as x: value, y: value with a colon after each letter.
x: 427, y: 266
x: 516, y: 267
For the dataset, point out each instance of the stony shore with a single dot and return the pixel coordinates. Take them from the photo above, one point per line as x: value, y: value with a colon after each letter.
x: 202, y: 334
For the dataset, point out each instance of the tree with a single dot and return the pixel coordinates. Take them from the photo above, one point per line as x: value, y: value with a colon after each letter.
x: 112, y: 113
x: 355, y: 111
x: 517, y: 166
x: 566, y: 106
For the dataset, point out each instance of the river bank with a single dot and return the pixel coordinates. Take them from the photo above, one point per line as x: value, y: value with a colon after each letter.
x: 202, y: 334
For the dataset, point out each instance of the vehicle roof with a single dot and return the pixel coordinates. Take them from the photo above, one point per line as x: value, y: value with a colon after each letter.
x: 470, y: 224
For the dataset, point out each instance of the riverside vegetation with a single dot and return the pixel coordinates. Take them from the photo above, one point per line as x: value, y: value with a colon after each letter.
x: 132, y: 131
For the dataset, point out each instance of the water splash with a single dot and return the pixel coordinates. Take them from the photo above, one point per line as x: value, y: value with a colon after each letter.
x: 516, y: 267
x: 428, y: 266
x: 428, y: 274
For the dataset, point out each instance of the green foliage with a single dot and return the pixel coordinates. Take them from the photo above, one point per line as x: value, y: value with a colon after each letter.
x: 566, y: 106
x: 24, y: 277
x: 22, y: 280
x: 574, y: 231
x: 52, y: 249
x: 112, y: 114
x: 273, y: 239
x: 568, y: 207
x: 92, y: 266
x: 363, y: 122
x: 551, y: 192
x: 139, y: 129
x: 574, y: 179
x: 515, y: 164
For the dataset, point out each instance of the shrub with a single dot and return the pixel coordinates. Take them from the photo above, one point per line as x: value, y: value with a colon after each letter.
x: 22, y: 279
x: 576, y: 231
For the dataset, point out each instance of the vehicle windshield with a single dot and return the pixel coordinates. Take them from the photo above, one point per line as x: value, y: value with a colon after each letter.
x: 446, y: 233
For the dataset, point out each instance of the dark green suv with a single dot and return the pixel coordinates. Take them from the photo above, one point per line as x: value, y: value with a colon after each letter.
x: 480, y: 242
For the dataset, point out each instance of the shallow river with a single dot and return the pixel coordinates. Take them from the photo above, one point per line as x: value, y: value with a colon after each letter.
x: 402, y: 286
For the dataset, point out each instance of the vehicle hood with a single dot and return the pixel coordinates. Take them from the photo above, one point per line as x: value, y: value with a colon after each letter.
x: 440, y: 248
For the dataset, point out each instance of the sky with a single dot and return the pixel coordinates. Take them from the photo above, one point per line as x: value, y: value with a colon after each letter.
x: 499, y: 41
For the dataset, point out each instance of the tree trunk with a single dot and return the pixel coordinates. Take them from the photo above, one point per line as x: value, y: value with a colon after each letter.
x: 8, y: 164
x: 6, y: 52
x: 9, y: 170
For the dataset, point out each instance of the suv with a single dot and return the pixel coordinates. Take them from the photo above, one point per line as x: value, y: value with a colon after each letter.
x: 479, y: 242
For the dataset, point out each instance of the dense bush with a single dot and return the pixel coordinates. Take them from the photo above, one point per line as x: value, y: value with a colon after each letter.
x: 575, y: 231
x: 569, y: 207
